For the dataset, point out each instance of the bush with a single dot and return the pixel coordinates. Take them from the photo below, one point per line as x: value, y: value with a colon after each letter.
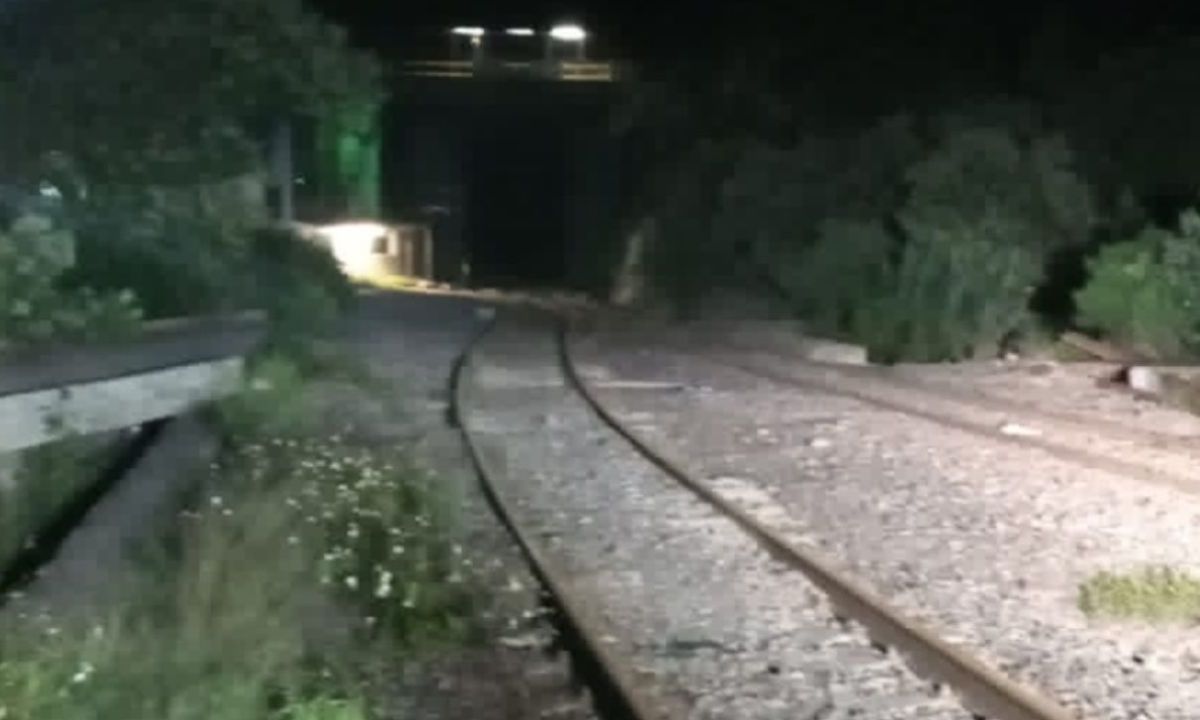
x: 777, y: 200
x: 1144, y: 292
x: 298, y: 283
x: 178, y: 263
x: 949, y: 299
x: 833, y: 282
x: 183, y: 261
x: 941, y: 265
x: 985, y: 214
x: 34, y: 305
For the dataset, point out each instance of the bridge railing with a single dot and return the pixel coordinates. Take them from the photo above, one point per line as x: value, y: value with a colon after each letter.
x: 486, y: 68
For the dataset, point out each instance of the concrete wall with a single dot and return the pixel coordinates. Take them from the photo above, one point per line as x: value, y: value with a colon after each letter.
x: 42, y: 416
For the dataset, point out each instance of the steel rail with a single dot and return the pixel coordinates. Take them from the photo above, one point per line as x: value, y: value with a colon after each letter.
x: 642, y: 703
x: 1083, y: 457
x: 983, y: 689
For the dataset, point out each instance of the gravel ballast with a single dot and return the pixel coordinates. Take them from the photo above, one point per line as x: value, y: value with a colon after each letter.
x: 701, y: 612
x: 985, y: 541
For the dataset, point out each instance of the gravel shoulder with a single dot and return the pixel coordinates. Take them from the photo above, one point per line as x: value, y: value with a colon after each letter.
x: 986, y: 541
x: 515, y: 670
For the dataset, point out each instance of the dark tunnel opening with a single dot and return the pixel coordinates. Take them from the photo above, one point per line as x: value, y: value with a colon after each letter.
x: 516, y: 224
x: 520, y: 181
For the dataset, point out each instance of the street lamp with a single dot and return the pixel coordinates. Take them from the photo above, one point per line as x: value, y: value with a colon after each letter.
x: 475, y: 35
x: 568, y: 34
x: 520, y: 32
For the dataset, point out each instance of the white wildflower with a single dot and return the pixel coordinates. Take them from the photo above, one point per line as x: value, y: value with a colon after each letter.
x: 85, y: 671
x: 384, y: 588
x: 352, y: 582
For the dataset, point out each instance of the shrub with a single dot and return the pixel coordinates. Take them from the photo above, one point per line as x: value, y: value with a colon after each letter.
x: 832, y: 283
x: 1143, y: 292
x: 1014, y: 193
x: 297, y: 282
x: 984, y: 215
x: 35, y: 307
x: 777, y: 200
x: 184, y: 261
x: 946, y: 269
x: 948, y: 299
x: 177, y: 262
x: 269, y: 403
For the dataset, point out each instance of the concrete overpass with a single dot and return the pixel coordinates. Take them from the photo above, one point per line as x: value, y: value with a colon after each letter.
x: 516, y: 165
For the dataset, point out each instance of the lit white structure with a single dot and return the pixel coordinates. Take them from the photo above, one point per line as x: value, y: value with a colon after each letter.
x: 520, y: 32
x: 373, y: 249
x: 468, y: 31
x: 568, y: 33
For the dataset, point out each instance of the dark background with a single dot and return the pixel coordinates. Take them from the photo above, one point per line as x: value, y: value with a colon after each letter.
x: 827, y: 65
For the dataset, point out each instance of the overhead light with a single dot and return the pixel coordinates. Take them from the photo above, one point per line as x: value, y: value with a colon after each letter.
x: 471, y: 32
x: 568, y: 33
x: 521, y: 32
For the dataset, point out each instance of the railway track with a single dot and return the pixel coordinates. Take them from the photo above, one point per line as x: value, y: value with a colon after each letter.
x: 830, y: 647
x: 1140, y: 454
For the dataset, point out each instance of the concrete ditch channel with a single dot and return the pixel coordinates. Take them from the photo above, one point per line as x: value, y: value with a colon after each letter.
x: 123, y: 397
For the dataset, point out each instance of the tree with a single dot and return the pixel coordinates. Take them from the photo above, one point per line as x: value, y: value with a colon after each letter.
x: 135, y: 91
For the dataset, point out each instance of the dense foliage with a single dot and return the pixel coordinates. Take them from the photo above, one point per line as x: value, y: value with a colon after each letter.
x: 1144, y: 291
x: 35, y: 304
x: 149, y: 122
x: 923, y: 239
x: 139, y: 91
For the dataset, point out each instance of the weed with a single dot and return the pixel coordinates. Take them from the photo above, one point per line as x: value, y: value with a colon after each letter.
x: 304, y: 553
x: 1159, y: 594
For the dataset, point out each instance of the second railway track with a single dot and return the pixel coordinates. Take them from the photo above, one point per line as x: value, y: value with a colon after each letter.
x: 1135, y: 453
x: 692, y: 607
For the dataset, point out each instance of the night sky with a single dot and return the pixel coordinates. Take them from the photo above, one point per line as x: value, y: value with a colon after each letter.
x: 655, y: 29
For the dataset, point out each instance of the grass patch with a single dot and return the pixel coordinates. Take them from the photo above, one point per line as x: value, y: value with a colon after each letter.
x: 1157, y: 594
x: 304, y: 558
